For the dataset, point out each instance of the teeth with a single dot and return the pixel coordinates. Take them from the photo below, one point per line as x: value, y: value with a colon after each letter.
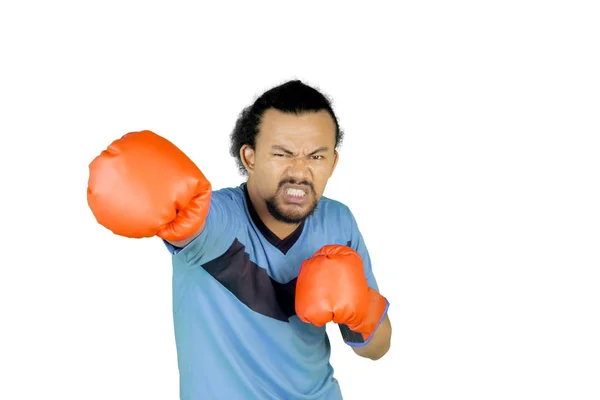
x: 295, y: 192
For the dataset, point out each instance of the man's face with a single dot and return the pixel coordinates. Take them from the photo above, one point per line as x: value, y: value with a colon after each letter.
x: 294, y: 156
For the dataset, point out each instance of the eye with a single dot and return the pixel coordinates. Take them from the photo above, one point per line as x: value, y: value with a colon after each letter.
x: 278, y: 155
x: 318, y: 157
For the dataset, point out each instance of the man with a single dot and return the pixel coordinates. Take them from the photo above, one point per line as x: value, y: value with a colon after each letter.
x: 258, y: 269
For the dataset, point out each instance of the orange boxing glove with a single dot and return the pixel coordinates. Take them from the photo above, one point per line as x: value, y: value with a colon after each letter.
x: 332, y: 287
x: 142, y: 186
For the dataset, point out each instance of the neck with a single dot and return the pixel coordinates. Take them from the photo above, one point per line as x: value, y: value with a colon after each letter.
x: 280, y: 229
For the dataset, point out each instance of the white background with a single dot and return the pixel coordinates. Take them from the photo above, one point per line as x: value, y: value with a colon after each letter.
x: 471, y: 162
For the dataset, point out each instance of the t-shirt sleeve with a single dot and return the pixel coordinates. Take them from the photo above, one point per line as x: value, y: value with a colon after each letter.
x: 217, y: 235
x: 357, y: 243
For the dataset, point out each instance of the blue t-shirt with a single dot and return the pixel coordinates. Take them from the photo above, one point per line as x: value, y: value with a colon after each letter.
x: 236, y: 331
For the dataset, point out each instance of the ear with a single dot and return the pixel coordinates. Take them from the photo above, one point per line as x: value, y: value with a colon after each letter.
x: 247, y: 155
x: 336, y: 157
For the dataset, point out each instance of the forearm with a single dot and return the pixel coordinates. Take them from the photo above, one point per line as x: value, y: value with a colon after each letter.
x: 379, y: 344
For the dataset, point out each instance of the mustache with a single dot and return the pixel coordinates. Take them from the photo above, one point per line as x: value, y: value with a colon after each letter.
x: 296, y: 182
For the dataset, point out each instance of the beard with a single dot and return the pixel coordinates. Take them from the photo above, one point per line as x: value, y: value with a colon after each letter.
x: 296, y: 215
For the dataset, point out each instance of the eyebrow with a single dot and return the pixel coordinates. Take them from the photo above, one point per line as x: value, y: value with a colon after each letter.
x: 279, y: 148
x: 318, y: 150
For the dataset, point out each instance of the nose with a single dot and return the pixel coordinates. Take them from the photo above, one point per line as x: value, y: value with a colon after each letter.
x: 299, y: 169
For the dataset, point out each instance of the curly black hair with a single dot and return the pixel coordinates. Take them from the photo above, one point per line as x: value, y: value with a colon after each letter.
x: 293, y: 97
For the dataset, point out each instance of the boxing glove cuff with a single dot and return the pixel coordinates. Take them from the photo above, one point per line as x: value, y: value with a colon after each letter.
x: 361, y: 334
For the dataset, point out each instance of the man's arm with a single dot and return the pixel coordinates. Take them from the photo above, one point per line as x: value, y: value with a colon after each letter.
x: 380, y: 342
x: 332, y: 287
